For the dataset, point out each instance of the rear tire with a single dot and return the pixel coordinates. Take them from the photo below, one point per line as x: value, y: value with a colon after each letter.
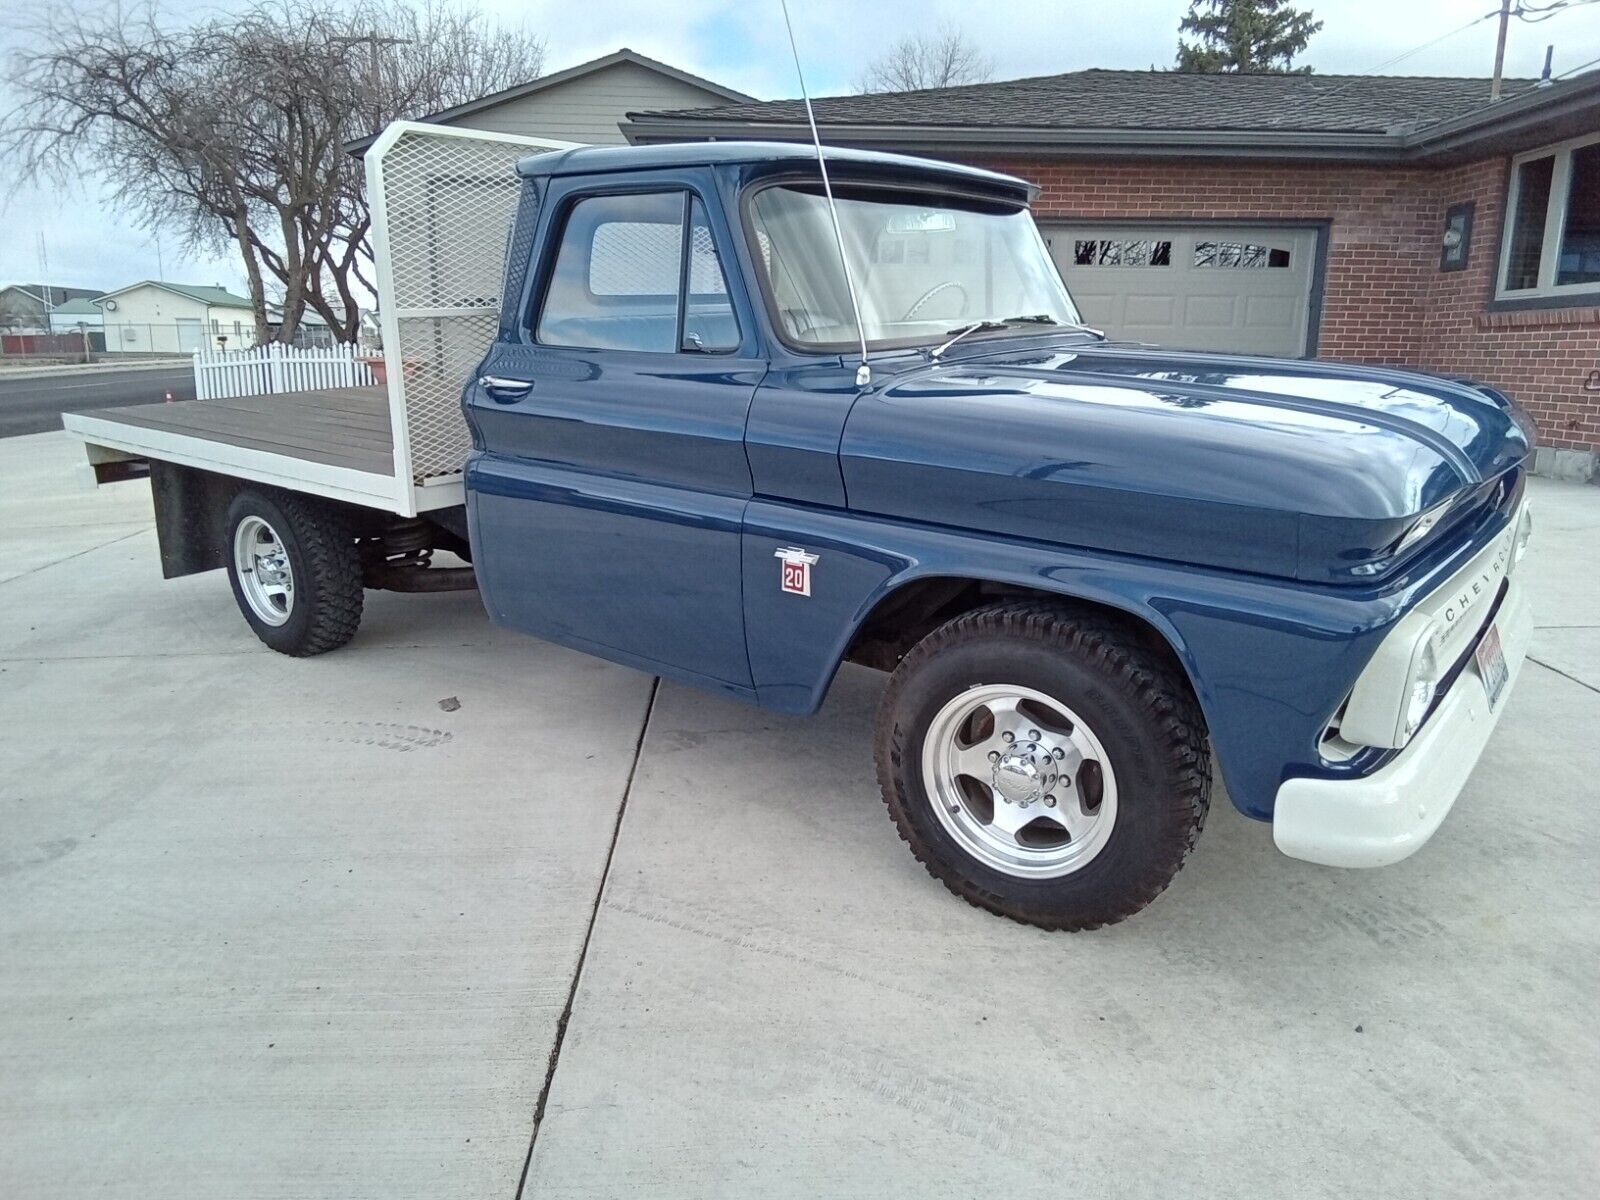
x: 1044, y: 764
x: 295, y: 571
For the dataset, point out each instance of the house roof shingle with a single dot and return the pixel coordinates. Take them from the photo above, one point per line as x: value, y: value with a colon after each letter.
x: 57, y: 294
x: 1154, y: 100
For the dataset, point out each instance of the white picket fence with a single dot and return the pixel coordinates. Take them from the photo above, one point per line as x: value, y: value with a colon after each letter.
x: 273, y: 368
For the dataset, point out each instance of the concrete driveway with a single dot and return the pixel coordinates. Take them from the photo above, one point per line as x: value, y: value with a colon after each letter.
x: 287, y: 928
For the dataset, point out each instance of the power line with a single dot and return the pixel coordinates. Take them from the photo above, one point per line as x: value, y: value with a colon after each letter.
x: 1543, y: 12
x: 1431, y: 44
x: 1580, y: 67
x: 1324, y: 97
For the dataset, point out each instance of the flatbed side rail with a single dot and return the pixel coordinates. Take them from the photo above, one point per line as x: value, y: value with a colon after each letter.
x: 106, y: 433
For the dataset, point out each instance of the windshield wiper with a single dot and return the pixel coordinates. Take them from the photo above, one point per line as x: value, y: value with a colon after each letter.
x: 989, y: 325
x: 962, y: 331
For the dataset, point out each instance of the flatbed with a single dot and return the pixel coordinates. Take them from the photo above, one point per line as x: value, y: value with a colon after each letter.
x: 333, y: 442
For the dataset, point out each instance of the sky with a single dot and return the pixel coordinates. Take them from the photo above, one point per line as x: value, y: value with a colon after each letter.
x: 741, y: 43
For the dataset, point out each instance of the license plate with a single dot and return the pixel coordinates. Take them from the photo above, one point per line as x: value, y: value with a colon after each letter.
x: 1492, y: 665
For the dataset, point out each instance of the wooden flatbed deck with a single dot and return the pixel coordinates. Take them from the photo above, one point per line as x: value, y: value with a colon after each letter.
x: 335, y: 442
x: 342, y: 427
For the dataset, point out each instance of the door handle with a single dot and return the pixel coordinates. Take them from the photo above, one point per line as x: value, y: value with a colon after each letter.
x: 505, y: 390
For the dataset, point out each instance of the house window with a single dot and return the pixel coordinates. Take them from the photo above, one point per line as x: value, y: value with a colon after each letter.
x: 1551, y: 246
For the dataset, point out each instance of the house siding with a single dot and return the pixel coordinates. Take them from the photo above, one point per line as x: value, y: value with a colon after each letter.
x: 1384, y: 299
x: 587, y: 108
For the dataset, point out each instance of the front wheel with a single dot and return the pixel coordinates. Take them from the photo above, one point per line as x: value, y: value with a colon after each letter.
x: 295, y: 572
x: 1044, y: 764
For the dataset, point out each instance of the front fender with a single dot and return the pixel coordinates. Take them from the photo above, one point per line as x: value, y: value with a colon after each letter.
x: 1269, y: 660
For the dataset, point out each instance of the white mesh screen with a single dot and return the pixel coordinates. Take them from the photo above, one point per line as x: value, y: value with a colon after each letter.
x: 635, y: 258
x: 448, y: 203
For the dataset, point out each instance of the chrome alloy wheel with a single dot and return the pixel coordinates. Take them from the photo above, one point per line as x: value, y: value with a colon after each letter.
x: 1019, y: 781
x: 261, y: 562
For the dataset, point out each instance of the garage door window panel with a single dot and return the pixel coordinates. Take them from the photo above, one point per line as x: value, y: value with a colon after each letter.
x: 1113, y: 252
x: 1248, y: 256
x: 1551, y: 244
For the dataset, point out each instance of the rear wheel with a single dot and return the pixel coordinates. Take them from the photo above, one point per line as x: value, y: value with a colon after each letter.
x: 1044, y: 764
x: 295, y: 572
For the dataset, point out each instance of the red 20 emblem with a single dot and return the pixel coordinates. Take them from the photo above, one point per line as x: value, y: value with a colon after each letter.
x: 796, y: 568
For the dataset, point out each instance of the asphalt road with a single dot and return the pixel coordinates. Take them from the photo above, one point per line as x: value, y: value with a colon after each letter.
x: 35, y: 405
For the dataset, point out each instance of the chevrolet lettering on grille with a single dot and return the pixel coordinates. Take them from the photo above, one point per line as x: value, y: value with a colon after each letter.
x: 1476, y: 589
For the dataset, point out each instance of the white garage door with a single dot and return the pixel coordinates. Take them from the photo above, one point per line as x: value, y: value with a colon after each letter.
x: 1244, y: 289
x: 191, y: 334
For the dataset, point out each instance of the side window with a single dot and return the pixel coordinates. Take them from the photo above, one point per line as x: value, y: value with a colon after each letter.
x: 615, y: 282
x: 622, y: 279
x: 708, y: 320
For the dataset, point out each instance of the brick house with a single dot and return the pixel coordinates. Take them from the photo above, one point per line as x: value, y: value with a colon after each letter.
x: 1346, y: 217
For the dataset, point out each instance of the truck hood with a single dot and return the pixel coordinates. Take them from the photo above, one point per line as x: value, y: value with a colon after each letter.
x: 1305, y: 469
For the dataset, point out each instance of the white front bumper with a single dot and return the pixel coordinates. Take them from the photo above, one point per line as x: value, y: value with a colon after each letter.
x: 1384, y: 817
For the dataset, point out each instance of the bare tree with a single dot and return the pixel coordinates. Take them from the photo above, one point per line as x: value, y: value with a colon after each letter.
x: 945, y: 57
x: 232, y: 129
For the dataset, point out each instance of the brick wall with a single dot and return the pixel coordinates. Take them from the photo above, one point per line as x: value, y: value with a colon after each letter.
x: 1540, y: 356
x: 1384, y: 299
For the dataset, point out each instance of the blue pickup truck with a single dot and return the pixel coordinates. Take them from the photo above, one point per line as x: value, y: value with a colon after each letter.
x: 1097, y: 574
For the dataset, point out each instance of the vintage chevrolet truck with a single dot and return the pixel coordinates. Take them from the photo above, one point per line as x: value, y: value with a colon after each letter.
x: 1095, y: 572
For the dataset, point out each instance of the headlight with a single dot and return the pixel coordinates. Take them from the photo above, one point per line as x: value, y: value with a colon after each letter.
x: 1421, y: 686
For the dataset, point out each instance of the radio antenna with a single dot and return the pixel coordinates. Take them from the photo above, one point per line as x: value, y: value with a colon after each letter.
x: 864, y: 371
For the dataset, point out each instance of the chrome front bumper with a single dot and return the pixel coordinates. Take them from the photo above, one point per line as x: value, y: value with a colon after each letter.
x: 1384, y: 817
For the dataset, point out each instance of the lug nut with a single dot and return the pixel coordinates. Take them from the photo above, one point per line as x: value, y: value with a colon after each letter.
x: 1058, y: 753
x: 994, y: 756
x: 1033, y: 735
x: 1049, y: 801
x: 1008, y: 737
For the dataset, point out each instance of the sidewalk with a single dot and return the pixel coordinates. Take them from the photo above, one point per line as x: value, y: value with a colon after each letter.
x: 22, y: 370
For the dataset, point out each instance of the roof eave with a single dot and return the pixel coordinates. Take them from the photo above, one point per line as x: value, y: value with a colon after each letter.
x: 1095, y: 143
x: 1537, y: 116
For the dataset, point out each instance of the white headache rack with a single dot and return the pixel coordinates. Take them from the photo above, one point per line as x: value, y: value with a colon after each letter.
x: 442, y: 203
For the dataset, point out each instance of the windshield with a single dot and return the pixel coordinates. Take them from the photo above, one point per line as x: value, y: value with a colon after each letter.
x: 923, y: 268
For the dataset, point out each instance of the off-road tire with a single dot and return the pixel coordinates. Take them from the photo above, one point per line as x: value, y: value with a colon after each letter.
x: 327, y: 572
x: 1137, y: 702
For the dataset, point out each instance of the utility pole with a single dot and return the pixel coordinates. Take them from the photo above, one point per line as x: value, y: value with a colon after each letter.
x: 1500, y: 49
x: 374, y: 40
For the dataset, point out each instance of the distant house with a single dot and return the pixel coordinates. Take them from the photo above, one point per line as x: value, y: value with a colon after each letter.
x: 26, y: 307
x: 584, y: 103
x: 154, y: 317
x: 310, y: 330
x: 75, y: 315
